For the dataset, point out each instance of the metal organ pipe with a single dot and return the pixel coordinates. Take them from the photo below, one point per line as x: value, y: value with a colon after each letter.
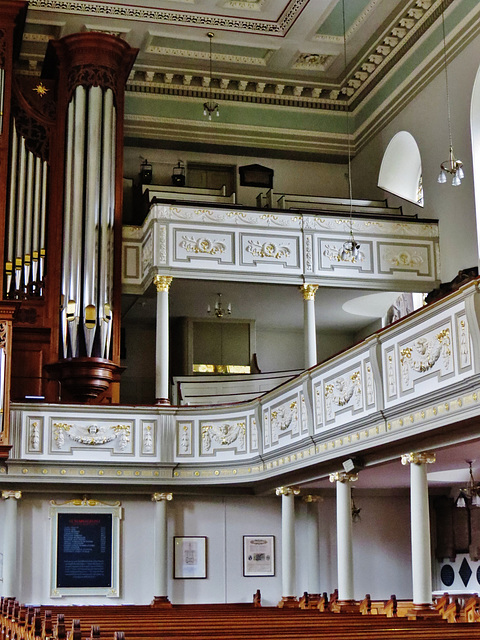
x: 89, y: 205
x: 12, y: 211
x: 20, y: 220
x: 106, y: 221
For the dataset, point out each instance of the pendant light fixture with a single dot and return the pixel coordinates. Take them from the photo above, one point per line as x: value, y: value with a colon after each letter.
x: 452, y: 166
x: 210, y: 106
x: 351, y: 249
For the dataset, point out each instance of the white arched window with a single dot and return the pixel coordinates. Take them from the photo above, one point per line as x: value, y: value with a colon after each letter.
x: 401, y: 169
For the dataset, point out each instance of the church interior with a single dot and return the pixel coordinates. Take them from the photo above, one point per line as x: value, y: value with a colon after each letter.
x: 239, y: 311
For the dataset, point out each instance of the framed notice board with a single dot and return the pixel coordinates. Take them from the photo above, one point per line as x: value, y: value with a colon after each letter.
x: 85, y: 548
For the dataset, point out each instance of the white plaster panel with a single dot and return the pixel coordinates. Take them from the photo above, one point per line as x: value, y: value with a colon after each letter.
x: 205, y: 245
x: 223, y: 436
x: 329, y: 256
x: 185, y: 444
x: 395, y: 258
x: 282, y: 420
x: 279, y: 251
x: 427, y: 356
x: 73, y: 435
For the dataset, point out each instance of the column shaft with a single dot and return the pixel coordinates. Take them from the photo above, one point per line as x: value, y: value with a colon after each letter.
x: 161, y: 571
x: 313, y: 569
x: 344, y: 542
x: 288, y: 545
x: 10, y: 564
x: 420, y: 523
x: 162, y: 340
x: 310, y: 333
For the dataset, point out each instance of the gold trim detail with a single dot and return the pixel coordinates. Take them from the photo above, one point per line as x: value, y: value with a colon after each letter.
x: 422, y: 457
x: 85, y: 501
x: 159, y: 497
x: 309, y: 291
x: 342, y: 476
x: 311, y: 499
x: 287, y: 491
x: 162, y: 283
x: 11, y: 494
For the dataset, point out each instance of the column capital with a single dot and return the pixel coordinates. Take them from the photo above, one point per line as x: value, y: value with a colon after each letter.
x: 310, y: 499
x: 287, y: 491
x: 343, y: 476
x: 421, y: 457
x: 11, y: 494
x: 159, y: 497
x: 162, y: 283
x: 309, y: 291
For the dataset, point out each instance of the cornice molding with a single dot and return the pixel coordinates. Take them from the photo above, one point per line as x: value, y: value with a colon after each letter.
x: 278, y: 27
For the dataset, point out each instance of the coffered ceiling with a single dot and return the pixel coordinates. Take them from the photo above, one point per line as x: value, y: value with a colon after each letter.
x: 266, y: 53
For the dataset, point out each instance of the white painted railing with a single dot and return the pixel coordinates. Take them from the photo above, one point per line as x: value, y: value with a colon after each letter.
x: 411, y: 378
x: 258, y: 246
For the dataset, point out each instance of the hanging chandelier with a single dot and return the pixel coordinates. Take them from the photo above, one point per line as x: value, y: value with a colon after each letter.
x: 452, y: 166
x: 471, y: 493
x: 219, y: 310
x: 351, y: 249
x: 210, y: 106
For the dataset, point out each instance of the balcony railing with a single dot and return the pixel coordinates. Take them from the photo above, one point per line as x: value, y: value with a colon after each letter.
x: 255, y: 245
x: 411, y: 379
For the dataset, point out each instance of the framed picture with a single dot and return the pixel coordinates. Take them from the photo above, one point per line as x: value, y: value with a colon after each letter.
x: 258, y: 556
x: 85, y: 548
x: 190, y: 557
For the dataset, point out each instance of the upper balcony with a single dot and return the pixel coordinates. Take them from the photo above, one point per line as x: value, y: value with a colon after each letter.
x: 300, y: 240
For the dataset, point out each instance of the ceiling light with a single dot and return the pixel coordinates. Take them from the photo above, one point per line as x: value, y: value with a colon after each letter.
x: 351, y: 249
x: 452, y: 166
x: 471, y: 493
x: 219, y: 310
x: 210, y: 106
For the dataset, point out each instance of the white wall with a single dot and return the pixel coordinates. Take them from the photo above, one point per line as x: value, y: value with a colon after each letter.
x: 426, y: 119
x: 290, y: 176
x: 381, y: 547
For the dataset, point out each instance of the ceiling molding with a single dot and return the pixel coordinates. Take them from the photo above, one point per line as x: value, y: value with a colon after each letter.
x: 279, y: 27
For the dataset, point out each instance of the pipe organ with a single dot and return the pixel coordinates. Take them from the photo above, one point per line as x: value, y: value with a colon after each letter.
x: 87, y: 265
x: 61, y: 139
x: 26, y: 220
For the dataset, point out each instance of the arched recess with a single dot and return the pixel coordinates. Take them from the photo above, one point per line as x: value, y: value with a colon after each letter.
x: 401, y: 169
x: 475, y: 132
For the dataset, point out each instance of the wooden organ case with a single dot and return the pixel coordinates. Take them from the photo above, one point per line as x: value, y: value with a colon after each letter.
x: 61, y: 167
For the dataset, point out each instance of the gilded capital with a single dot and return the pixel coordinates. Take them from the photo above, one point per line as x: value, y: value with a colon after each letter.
x: 159, y: 497
x: 287, y: 491
x: 310, y: 499
x: 162, y: 283
x: 11, y: 494
x: 342, y: 476
x: 422, y: 457
x: 309, y: 291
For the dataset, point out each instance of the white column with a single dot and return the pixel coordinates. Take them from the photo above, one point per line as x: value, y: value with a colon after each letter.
x: 344, y: 535
x: 161, y: 549
x: 309, y: 324
x: 313, y: 547
x: 162, y: 283
x: 10, y: 564
x: 288, y: 543
x: 420, y: 527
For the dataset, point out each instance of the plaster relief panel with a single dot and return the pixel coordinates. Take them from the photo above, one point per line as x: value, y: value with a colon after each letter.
x: 464, y: 345
x: 429, y: 354
x: 407, y: 258
x: 225, y: 435
x: 284, y: 420
x: 330, y: 256
x: 390, y: 372
x: 34, y: 434
x: 205, y: 245
x: 184, y: 439
x: 344, y: 392
x: 253, y: 435
x: 148, y: 438
x: 69, y: 436
x: 281, y: 251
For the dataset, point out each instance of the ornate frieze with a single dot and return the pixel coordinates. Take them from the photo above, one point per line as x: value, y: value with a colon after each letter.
x: 92, y: 435
x: 226, y: 435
